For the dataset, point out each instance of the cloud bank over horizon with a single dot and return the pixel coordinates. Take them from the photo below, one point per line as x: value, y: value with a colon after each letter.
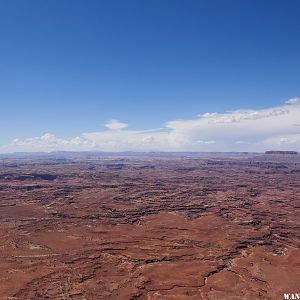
x: 238, y: 130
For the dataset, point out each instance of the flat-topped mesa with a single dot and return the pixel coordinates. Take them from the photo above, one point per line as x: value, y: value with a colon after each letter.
x: 281, y: 152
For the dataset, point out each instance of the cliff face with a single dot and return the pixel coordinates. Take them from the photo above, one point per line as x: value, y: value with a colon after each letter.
x: 281, y: 152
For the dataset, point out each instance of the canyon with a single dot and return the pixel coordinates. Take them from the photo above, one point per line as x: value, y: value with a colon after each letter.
x: 149, y: 226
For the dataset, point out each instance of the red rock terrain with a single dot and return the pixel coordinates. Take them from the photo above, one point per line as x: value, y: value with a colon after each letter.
x: 150, y: 227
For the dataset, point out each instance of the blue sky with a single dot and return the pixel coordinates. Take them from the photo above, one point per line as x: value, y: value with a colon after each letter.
x: 67, y: 68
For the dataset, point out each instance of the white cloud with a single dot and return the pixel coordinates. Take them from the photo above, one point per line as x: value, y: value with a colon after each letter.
x: 283, y: 142
x: 115, y: 125
x: 238, y: 130
x: 48, y: 142
x: 293, y: 100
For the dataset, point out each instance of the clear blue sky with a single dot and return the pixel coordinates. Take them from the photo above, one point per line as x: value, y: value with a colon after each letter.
x: 67, y: 67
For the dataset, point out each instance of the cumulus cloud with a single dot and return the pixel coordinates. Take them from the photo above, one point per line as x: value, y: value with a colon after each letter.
x: 48, y: 142
x: 239, y: 130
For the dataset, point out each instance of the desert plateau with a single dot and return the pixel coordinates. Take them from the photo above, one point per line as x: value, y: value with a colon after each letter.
x: 149, y: 226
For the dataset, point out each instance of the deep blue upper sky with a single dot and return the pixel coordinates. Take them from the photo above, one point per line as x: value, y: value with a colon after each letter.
x: 67, y: 67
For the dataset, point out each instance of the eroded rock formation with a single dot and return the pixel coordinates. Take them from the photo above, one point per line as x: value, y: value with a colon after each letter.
x: 150, y: 227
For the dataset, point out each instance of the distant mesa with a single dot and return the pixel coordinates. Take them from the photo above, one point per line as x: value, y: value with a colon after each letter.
x: 281, y: 152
